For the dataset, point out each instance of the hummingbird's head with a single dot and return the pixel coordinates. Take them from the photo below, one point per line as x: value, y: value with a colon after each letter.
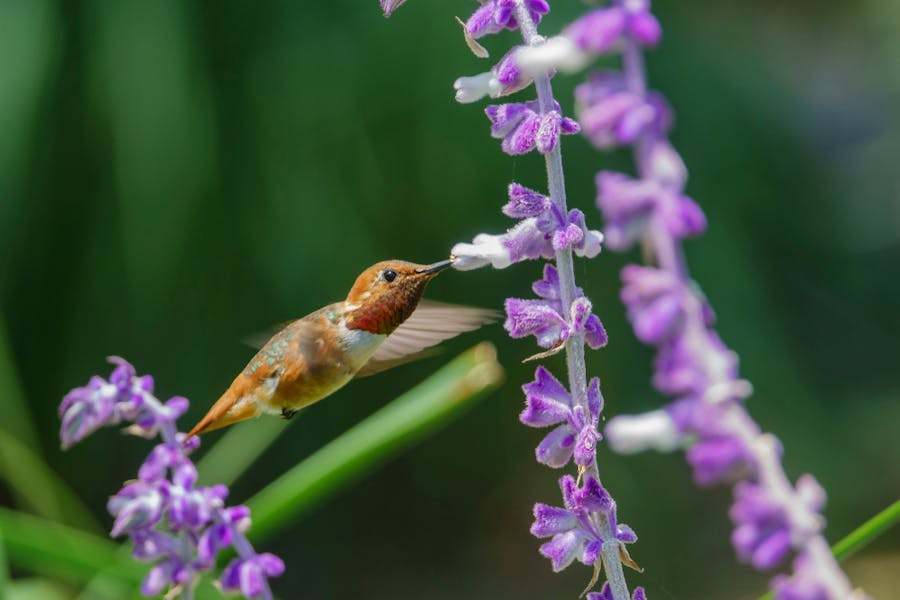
x: 387, y: 293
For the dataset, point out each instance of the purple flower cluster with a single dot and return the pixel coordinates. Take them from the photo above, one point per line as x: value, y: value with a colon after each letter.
x: 724, y: 444
x: 609, y: 28
x: 547, y: 403
x: 561, y: 317
x: 172, y: 521
x: 523, y: 128
x: 546, y: 318
x: 542, y: 231
x: 574, y: 528
x: 496, y: 15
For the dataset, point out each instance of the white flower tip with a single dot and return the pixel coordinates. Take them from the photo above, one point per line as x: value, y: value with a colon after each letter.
x: 556, y: 53
x: 629, y: 434
x: 593, y: 240
x: 484, y: 250
x: 473, y: 89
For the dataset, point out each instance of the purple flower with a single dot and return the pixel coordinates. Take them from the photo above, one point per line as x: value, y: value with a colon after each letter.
x: 766, y: 528
x: 574, y: 532
x: 604, y: 29
x: 541, y: 232
x: 804, y: 584
x: 494, y: 16
x: 610, y: 114
x: 547, y: 403
x: 522, y: 128
x: 138, y: 505
x: 544, y: 318
x: 248, y: 575
x: 171, y: 521
x: 504, y: 79
x: 606, y: 594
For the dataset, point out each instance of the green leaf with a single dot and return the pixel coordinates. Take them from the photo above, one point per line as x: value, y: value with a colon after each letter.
x: 237, y: 450
x: 49, y: 548
x: 4, y: 569
x: 39, y: 488
x: 37, y: 588
x: 395, y: 427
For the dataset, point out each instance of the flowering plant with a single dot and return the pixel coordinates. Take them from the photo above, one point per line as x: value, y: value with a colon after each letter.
x: 179, y: 526
x: 724, y: 444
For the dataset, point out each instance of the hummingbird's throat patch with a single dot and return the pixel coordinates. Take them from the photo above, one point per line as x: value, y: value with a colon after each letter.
x: 384, y: 314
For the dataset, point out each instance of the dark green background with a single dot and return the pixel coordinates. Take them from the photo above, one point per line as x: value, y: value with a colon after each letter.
x: 177, y: 175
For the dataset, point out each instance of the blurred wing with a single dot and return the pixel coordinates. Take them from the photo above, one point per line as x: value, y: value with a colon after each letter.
x: 429, y: 325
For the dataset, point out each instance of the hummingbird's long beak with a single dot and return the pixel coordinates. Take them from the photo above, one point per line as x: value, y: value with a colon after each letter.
x: 435, y: 268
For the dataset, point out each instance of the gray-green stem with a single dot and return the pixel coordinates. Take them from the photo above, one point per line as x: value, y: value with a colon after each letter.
x: 565, y: 266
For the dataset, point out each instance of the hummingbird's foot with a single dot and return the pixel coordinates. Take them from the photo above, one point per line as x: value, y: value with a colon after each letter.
x: 287, y: 413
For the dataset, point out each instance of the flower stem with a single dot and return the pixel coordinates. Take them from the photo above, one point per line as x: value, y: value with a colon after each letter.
x: 868, y: 531
x: 575, y: 364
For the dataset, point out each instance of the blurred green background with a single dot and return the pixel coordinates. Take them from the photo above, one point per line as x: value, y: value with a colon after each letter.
x: 177, y: 175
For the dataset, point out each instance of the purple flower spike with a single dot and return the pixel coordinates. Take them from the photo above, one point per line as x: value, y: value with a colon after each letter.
x: 561, y: 318
x: 666, y: 308
x: 179, y: 526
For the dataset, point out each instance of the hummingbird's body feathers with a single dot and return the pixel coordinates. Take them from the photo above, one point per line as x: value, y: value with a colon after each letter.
x: 381, y: 324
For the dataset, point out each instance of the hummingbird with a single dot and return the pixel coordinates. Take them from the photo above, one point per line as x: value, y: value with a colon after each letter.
x: 382, y: 323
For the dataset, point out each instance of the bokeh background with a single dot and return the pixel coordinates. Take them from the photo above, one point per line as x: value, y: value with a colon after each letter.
x: 177, y: 175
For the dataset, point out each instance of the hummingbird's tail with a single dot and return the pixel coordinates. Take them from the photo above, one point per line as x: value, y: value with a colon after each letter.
x: 228, y: 409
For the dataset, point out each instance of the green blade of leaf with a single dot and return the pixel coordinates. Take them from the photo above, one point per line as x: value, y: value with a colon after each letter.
x: 397, y: 426
x: 49, y: 548
x: 4, y: 569
x: 237, y: 450
x: 40, y: 489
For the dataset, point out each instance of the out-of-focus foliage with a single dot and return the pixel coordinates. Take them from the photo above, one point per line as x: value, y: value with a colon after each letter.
x: 177, y: 175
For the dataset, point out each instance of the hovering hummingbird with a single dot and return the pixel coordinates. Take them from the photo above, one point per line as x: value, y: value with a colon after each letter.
x: 382, y: 323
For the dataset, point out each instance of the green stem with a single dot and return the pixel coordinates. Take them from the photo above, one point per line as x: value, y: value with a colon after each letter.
x: 860, y: 537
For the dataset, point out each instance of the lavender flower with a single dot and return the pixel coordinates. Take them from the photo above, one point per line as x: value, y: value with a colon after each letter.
x: 171, y: 521
x: 548, y: 402
x: 561, y: 317
x: 724, y: 445
x: 574, y: 529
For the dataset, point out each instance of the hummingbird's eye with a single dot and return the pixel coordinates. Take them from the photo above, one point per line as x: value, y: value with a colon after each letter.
x: 389, y: 275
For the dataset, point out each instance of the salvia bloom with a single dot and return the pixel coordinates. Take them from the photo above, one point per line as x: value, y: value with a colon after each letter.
x: 174, y: 523
x: 547, y: 403
x: 561, y: 317
x: 543, y: 229
x: 772, y: 517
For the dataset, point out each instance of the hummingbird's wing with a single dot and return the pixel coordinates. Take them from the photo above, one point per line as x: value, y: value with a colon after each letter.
x: 430, y: 324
